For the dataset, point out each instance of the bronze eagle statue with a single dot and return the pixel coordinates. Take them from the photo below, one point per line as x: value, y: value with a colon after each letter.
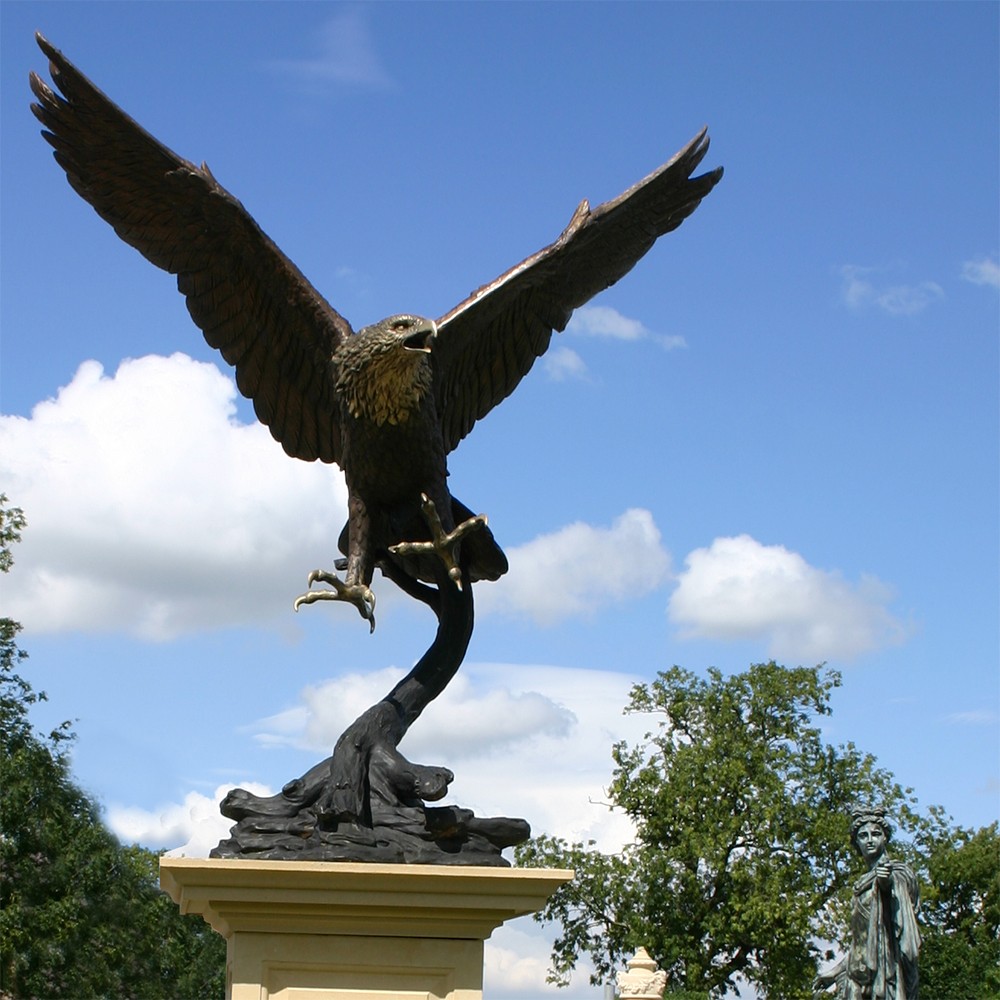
x: 389, y: 402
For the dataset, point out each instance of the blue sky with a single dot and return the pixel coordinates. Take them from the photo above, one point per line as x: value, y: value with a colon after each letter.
x: 776, y: 437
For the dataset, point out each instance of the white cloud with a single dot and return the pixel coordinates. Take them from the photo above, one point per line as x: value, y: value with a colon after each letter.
x: 974, y: 717
x: 865, y: 288
x: 346, y: 55
x: 562, y: 363
x: 516, y: 962
x: 464, y: 722
x: 738, y: 588
x: 517, y: 965
x: 671, y: 341
x: 190, y: 828
x: 984, y: 271
x: 603, y: 321
x: 580, y: 568
x: 151, y: 509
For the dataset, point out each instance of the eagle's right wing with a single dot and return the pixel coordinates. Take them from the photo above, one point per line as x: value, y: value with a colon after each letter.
x: 487, y: 343
x: 249, y: 300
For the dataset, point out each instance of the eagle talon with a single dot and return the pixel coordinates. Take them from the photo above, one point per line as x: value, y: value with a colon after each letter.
x: 443, y: 543
x: 354, y: 593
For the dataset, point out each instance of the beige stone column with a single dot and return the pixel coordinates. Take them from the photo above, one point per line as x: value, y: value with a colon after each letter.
x: 314, y: 930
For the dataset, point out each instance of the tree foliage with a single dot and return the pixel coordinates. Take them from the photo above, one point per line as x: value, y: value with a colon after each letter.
x: 742, y: 843
x: 960, y: 910
x: 80, y: 915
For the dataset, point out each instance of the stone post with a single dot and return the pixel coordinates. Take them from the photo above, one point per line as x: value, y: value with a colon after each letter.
x: 300, y: 930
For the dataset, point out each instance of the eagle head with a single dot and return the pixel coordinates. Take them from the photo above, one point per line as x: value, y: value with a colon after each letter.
x: 383, y: 370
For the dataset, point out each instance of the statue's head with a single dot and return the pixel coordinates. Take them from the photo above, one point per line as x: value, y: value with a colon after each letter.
x: 870, y: 830
x: 383, y: 371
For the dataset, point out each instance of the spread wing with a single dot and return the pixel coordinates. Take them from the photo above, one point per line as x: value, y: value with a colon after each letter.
x: 250, y: 301
x: 487, y: 343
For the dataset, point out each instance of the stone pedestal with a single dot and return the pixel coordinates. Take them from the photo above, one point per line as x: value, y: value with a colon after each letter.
x: 314, y: 930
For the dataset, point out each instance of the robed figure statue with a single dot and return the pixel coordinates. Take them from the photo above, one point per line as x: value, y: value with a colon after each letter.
x: 881, y: 962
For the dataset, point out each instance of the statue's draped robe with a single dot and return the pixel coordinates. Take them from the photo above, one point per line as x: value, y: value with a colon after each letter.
x: 885, y: 940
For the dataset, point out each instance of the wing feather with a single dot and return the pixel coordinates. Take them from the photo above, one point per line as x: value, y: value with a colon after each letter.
x: 250, y: 301
x: 489, y: 342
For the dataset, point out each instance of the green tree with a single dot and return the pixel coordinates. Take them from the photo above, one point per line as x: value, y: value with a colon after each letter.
x: 80, y: 915
x: 15, y: 693
x: 742, y: 836
x: 960, y: 911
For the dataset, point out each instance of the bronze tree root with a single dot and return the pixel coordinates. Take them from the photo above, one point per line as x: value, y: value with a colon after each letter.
x: 367, y: 801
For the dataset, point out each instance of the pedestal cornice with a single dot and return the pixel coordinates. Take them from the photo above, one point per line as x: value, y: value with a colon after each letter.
x: 317, y: 897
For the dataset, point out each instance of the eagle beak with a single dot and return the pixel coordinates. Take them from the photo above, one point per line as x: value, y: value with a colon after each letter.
x: 421, y: 337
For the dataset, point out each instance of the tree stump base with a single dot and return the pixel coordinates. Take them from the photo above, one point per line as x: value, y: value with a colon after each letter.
x: 366, y: 802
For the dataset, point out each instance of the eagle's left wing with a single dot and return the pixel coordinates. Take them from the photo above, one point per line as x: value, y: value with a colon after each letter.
x: 487, y: 343
x: 251, y: 302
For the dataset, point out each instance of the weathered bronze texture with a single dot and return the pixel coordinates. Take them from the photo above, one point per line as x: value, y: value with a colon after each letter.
x: 881, y: 961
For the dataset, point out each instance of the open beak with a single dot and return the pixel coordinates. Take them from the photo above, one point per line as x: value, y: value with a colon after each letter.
x: 421, y: 337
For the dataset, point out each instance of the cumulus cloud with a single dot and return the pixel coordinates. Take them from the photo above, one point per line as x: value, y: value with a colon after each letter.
x: 985, y: 271
x: 567, y: 797
x: 603, y: 321
x: 346, y: 55
x: 867, y: 287
x: 191, y: 828
x: 562, y: 363
x: 465, y: 721
x: 153, y: 510
x: 578, y: 569
x: 516, y: 963
x: 738, y: 588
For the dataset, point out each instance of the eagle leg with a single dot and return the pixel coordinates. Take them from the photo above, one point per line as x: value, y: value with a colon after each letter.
x: 354, y: 593
x: 443, y: 543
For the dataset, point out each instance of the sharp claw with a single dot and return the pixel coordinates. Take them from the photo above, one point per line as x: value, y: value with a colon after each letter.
x: 357, y: 594
x: 442, y: 543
